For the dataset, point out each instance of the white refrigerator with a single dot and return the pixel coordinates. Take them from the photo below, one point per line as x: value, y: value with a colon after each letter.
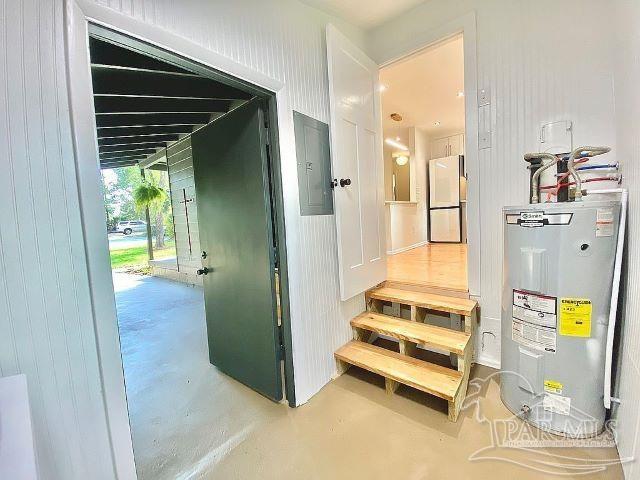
x: 445, y: 202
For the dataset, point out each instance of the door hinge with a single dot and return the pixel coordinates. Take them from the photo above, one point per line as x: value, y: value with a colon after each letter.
x: 276, y: 258
x: 267, y: 133
x: 281, y: 349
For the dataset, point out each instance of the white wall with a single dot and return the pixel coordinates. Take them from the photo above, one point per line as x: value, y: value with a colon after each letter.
x: 627, y: 82
x: 187, y: 237
x: 407, y: 221
x: 46, y: 317
x: 422, y: 154
x: 46, y: 312
x: 540, y: 66
x: 404, y: 227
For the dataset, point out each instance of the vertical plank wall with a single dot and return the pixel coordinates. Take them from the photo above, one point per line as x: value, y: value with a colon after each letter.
x: 627, y: 80
x: 524, y: 50
x: 185, y: 218
x: 46, y: 319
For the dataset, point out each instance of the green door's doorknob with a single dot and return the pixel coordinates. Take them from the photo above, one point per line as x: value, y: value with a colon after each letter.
x: 345, y: 181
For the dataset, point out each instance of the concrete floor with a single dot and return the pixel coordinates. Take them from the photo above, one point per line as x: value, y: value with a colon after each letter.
x: 191, y: 422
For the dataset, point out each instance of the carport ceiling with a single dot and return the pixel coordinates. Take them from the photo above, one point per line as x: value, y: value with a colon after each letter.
x: 144, y: 104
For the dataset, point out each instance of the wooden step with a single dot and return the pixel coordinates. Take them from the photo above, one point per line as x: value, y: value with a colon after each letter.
x: 422, y: 334
x: 427, y: 377
x: 441, y: 303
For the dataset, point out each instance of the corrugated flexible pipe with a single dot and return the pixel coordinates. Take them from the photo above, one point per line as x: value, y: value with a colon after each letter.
x: 535, y: 180
x: 582, y: 152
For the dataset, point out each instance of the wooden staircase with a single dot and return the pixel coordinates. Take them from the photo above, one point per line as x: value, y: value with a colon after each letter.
x: 403, y: 368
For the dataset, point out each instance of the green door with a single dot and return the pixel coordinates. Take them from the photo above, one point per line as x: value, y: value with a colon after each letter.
x: 231, y: 175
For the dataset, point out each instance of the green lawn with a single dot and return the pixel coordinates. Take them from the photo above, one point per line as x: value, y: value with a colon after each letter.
x: 126, y: 257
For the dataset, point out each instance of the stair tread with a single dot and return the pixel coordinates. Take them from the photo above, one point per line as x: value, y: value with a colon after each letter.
x: 439, y: 381
x: 459, y: 306
x: 420, y: 333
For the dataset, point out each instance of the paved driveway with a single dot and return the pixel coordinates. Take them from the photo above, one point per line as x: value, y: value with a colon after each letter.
x: 119, y: 241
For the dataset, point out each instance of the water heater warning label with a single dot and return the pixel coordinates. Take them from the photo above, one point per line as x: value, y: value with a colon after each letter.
x: 556, y: 404
x: 534, y: 320
x: 604, y: 222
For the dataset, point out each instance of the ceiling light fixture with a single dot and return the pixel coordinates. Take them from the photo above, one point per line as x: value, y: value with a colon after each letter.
x: 393, y: 143
x: 436, y: 124
x: 396, y: 117
x: 402, y: 160
x: 382, y: 87
x: 460, y: 94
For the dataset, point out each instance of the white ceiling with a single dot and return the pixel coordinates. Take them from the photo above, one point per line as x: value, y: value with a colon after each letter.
x: 423, y: 89
x: 364, y: 13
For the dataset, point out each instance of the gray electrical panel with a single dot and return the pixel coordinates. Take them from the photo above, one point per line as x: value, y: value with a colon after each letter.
x: 314, y: 165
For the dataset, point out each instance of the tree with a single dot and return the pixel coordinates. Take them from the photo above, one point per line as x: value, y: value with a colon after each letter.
x: 149, y: 195
x: 117, y: 188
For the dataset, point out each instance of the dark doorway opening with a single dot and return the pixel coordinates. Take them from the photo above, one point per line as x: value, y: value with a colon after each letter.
x: 159, y: 112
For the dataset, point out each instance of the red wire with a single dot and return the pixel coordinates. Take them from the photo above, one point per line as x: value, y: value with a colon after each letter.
x: 558, y: 187
x: 560, y: 179
x: 566, y: 174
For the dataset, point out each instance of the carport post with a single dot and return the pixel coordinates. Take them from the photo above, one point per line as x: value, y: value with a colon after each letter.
x: 148, y: 220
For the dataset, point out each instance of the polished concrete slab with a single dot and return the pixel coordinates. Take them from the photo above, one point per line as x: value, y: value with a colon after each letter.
x: 189, y: 421
x: 185, y: 415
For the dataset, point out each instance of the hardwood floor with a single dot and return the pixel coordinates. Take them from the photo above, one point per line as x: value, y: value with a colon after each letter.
x: 439, y: 265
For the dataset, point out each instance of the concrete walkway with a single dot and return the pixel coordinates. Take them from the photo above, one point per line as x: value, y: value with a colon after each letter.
x: 185, y: 415
x: 189, y: 421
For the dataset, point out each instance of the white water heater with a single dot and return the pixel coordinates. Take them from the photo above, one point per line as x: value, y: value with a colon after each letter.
x: 557, y: 289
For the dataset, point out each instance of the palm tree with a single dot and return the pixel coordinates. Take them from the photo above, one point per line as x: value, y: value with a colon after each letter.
x: 148, y: 195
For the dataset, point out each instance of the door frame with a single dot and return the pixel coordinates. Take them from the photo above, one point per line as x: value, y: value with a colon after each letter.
x: 465, y: 26
x: 79, y: 17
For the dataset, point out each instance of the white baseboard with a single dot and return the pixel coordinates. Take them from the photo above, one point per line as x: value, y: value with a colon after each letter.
x: 410, y: 247
x: 488, y: 362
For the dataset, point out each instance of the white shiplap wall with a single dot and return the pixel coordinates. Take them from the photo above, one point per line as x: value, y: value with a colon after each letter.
x: 543, y: 61
x: 46, y: 318
x: 627, y: 92
x: 181, y: 181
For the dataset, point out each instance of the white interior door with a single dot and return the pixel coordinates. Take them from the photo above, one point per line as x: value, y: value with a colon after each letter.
x: 356, y: 151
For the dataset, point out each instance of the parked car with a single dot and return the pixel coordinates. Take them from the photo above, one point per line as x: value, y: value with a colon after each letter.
x: 131, y: 226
